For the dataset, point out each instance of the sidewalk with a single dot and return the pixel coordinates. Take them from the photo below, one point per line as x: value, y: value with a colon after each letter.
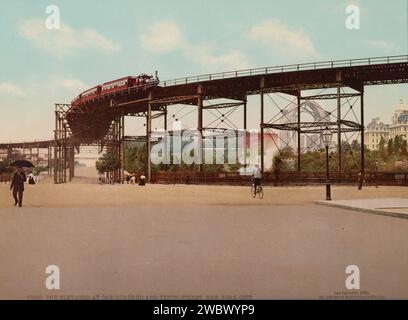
x: 394, y: 207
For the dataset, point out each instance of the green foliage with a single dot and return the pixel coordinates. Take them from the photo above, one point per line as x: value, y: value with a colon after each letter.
x: 390, y: 148
x: 221, y: 168
x: 397, y: 144
x: 285, y: 161
x: 381, y: 145
x: 108, y: 163
x: 404, y: 148
x: 135, y: 159
x: 391, y: 156
x: 381, y: 149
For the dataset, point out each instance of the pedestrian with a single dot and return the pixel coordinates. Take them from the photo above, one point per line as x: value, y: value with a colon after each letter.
x: 17, y: 186
x: 142, y: 181
x: 360, y: 180
x: 31, y: 179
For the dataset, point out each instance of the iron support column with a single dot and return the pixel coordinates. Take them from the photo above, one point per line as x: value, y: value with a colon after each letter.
x: 362, y: 160
x: 166, y: 139
x: 200, y: 128
x: 122, y: 148
x: 165, y: 118
x: 245, y: 132
x: 328, y: 184
x: 262, y: 132
x: 149, y: 142
x: 49, y: 160
x: 299, y: 102
x: 56, y: 149
x: 65, y: 154
x: 339, y: 146
x: 71, y: 160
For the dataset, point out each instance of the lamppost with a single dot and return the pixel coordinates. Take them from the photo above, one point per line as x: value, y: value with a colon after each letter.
x: 376, y: 174
x: 327, y: 138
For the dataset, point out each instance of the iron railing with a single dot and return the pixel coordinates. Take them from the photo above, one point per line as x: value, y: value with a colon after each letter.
x: 261, y: 71
x: 287, y: 68
x: 281, y: 179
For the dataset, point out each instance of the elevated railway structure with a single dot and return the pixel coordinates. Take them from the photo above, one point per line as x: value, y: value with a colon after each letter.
x: 100, y: 120
x: 34, y: 151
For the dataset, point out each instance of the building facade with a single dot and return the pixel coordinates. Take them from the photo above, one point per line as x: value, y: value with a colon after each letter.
x: 376, y: 129
x: 399, y: 122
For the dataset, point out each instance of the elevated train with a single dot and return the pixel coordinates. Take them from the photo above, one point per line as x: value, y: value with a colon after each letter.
x: 142, y: 80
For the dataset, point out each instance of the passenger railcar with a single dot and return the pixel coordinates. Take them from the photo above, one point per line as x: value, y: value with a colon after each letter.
x: 115, y: 86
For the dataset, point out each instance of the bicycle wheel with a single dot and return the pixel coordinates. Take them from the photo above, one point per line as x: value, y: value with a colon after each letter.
x: 253, y: 191
x: 260, y: 193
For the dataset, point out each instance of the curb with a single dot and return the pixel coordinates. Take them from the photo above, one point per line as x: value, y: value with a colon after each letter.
x: 364, y: 210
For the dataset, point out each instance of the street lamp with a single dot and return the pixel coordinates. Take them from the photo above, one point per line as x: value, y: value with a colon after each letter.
x: 327, y: 138
x: 376, y: 174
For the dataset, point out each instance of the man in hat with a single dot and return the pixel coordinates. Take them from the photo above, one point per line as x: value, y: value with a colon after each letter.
x: 17, y: 186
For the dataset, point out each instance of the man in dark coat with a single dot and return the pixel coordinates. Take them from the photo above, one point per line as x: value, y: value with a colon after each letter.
x: 360, y: 180
x: 17, y: 186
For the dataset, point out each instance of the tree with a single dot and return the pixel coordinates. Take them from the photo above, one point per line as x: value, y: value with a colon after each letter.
x: 381, y: 146
x: 397, y: 144
x: 108, y: 163
x: 390, y: 148
x: 135, y: 159
x: 355, y: 146
x: 287, y: 152
x: 101, y: 166
x: 404, y: 148
x: 286, y: 159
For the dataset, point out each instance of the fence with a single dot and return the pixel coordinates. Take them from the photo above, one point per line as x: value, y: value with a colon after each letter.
x: 280, y: 179
x: 5, y: 178
x: 276, y: 179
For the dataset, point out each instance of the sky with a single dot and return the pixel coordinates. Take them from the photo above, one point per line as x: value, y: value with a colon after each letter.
x: 100, y: 41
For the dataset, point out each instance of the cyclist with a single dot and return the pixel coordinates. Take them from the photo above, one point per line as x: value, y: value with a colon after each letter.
x: 257, y: 176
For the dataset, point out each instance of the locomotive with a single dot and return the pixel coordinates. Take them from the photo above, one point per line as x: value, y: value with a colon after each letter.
x: 142, y: 80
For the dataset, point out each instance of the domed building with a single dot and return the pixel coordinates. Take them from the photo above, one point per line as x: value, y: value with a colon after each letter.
x: 399, y: 122
x: 376, y: 129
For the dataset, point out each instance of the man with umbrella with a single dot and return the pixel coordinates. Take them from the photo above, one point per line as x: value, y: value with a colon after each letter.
x: 17, y: 182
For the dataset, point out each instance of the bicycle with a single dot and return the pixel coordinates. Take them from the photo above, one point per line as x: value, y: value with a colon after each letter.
x: 256, y: 191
